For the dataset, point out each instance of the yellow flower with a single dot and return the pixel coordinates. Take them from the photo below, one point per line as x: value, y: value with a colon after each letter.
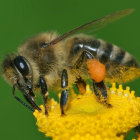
x: 87, y: 119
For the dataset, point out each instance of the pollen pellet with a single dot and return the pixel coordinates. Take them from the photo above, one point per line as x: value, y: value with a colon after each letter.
x: 96, y: 70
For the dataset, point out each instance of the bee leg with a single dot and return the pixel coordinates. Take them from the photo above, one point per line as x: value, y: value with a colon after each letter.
x: 64, y: 93
x: 101, y: 92
x: 44, y: 93
x: 81, y: 85
x: 99, y: 88
x: 30, y: 99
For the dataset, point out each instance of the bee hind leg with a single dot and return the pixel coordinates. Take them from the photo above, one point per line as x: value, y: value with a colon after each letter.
x: 98, y: 87
x: 64, y: 93
x: 101, y: 92
x: 44, y: 93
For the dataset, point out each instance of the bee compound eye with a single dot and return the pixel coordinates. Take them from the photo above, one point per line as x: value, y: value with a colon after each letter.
x: 21, y: 65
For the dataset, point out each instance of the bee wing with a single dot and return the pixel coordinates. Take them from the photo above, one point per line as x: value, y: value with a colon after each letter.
x: 93, y: 25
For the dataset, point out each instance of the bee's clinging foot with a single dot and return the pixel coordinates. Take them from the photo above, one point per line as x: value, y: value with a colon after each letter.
x: 109, y: 105
x: 46, y: 113
x: 62, y: 110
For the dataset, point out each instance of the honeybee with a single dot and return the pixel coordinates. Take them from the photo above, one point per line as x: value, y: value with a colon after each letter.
x: 51, y: 62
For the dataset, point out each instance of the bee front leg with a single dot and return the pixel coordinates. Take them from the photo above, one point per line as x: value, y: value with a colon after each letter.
x: 64, y: 93
x: 44, y: 93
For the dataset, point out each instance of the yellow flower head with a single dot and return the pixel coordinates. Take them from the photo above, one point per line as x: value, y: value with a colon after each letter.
x: 87, y: 119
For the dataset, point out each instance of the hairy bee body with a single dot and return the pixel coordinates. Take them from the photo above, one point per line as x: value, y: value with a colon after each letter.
x: 51, y: 61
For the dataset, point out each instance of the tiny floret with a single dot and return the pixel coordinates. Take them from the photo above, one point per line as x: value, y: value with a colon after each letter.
x: 88, y: 119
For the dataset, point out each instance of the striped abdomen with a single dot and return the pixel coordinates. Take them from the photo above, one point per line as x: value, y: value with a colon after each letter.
x: 110, y: 54
x: 120, y: 65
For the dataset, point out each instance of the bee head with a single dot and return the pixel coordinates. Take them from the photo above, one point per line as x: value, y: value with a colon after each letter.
x: 17, y: 71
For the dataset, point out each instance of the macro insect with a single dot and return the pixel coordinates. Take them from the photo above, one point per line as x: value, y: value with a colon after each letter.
x: 48, y: 61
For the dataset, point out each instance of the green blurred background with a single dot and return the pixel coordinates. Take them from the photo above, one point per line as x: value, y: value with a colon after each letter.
x: 20, y: 19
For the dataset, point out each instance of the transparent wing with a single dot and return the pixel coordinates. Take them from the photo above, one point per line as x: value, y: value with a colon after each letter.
x: 93, y: 25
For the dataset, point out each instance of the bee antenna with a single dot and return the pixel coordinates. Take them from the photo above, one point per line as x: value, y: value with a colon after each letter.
x: 18, y: 99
